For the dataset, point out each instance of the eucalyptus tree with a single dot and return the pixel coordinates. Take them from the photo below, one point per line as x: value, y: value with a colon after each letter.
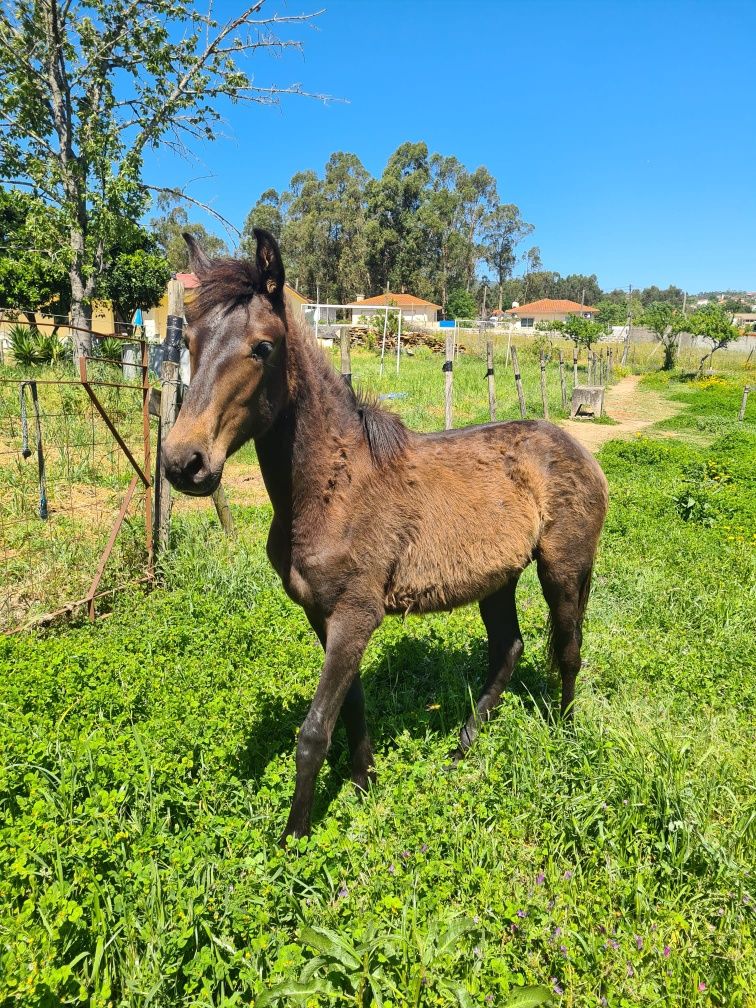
x: 503, y: 230
x: 394, y: 227
x: 90, y: 86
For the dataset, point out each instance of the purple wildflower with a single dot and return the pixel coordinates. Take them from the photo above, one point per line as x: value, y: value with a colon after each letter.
x: 540, y: 878
x: 405, y: 854
x: 343, y: 892
x: 556, y: 932
x: 701, y: 987
x: 629, y: 970
x: 613, y: 943
x: 666, y: 951
x: 638, y: 942
x: 563, y: 949
x: 568, y: 874
x: 551, y: 904
x: 489, y: 998
x: 424, y: 848
x: 555, y: 985
x: 522, y: 913
x: 391, y: 869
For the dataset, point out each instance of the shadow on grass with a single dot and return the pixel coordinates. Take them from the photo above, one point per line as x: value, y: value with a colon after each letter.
x: 415, y: 685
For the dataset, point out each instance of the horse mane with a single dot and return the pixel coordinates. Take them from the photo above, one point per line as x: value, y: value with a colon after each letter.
x: 385, y: 432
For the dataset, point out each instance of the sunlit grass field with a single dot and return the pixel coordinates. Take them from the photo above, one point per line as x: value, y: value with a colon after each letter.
x: 147, y: 762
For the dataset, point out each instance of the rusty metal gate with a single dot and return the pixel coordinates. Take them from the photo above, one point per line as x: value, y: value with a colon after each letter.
x: 76, y: 484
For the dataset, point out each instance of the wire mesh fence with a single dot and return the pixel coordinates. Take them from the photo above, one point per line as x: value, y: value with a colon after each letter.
x: 75, y: 487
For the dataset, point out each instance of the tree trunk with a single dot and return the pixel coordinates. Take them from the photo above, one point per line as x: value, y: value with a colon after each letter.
x: 80, y: 313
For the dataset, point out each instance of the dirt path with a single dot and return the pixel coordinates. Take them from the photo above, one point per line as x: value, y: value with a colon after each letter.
x: 633, y: 408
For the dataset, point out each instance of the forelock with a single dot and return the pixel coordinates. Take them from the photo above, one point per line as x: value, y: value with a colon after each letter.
x: 227, y: 282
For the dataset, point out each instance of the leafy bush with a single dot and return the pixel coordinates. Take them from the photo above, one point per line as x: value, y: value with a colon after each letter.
x: 110, y: 348
x: 31, y: 348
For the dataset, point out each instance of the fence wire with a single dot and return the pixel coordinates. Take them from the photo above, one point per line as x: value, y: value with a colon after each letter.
x: 62, y: 483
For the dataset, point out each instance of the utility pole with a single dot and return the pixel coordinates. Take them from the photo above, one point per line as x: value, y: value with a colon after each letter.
x: 626, y: 348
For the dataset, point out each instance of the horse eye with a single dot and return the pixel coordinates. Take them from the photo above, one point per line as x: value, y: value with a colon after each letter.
x: 263, y: 350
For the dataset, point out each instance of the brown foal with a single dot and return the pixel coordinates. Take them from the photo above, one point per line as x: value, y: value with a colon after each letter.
x: 370, y: 518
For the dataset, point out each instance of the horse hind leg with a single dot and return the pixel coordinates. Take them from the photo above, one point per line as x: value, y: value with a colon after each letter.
x: 505, y: 647
x: 567, y: 596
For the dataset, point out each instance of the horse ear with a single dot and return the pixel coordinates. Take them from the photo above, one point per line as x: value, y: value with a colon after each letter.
x: 269, y: 263
x: 198, y: 261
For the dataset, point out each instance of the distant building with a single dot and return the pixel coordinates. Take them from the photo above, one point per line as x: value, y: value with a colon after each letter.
x: 548, y: 310
x: 414, y: 309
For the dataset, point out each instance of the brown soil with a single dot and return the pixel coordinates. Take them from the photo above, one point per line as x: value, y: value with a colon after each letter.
x: 634, y: 408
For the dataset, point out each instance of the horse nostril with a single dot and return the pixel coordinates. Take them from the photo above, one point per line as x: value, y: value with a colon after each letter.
x: 195, y: 465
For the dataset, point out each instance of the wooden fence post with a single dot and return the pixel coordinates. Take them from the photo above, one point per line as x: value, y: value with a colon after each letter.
x: 346, y: 357
x: 562, y: 380
x: 544, y: 395
x: 448, y: 378
x: 170, y: 379
x: 518, y: 383
x: 223, y: 511
x: 491, y: 380
x: 574, y: 365
x: 744, y: 403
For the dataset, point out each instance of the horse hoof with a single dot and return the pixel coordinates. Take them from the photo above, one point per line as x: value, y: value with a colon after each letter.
x: 453, y: 759
x: 295, y: 834
x: 362, y: 779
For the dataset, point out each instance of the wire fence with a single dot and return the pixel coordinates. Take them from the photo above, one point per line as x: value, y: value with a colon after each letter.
x: 75, y: 488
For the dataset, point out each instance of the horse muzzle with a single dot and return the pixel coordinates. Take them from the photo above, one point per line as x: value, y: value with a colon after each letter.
x: 189, y: 470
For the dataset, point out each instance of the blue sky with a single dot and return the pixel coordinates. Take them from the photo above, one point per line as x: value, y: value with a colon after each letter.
x: 625, y: 132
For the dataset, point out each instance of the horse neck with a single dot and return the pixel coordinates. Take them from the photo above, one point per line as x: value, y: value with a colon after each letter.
x: 318, y: 419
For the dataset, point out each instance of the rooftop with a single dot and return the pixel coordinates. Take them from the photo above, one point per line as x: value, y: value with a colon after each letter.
x: 400, y: 300
x: 550, y: 306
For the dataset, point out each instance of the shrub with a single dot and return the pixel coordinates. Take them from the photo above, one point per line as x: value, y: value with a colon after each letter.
x: 31, y: 348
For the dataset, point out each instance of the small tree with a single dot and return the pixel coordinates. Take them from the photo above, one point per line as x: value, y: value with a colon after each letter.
x: 582, y: 331
x: 715, y: 324
x: 666, y: 323
x: 461, y: 304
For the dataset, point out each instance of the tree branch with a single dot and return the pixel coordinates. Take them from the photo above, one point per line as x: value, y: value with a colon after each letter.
x: 180, y: 195
x: 200, y: 65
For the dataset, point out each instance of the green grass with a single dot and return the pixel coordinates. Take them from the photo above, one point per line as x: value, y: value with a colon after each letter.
x: 148, y: 761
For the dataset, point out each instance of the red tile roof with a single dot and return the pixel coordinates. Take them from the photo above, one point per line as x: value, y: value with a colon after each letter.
x: 550, y: 306
x: 188, y: 280
x: 400, y: 300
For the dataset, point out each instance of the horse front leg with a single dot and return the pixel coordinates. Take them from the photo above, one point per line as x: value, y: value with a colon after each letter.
x: 348, y: 631
x: 361, y: 756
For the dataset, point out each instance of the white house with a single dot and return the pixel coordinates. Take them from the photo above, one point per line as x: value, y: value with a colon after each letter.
x: 414, y: 309
x: 547, y: 310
